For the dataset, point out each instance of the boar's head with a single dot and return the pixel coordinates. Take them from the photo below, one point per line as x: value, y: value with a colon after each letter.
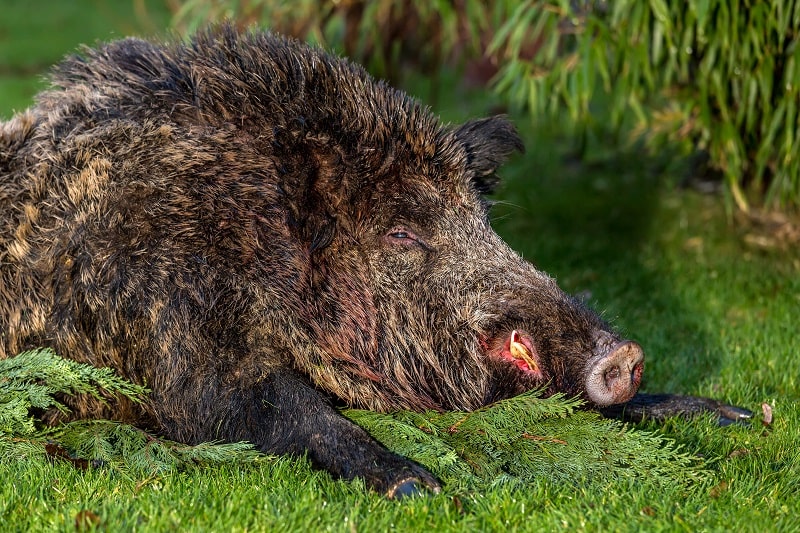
x: 414, y: 301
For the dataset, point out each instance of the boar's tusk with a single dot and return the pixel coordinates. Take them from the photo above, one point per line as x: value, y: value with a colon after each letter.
x: 520, y: 351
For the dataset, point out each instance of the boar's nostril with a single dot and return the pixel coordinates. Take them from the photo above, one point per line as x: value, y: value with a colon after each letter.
x: 615, y: 377
x: 611, y: 375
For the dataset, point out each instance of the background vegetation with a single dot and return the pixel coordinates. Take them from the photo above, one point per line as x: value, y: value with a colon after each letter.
x: 715, y: 306
x: 715, y: 79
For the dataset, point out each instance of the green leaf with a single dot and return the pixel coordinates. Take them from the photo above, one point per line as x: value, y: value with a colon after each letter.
x: 661, y: 11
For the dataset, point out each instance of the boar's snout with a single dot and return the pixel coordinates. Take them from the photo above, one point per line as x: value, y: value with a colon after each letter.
x: 614, y: 374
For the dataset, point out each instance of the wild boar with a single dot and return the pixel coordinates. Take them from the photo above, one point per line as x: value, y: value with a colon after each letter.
x: 259, y: 231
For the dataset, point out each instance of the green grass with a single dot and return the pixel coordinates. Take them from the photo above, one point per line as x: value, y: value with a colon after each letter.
x: 34, y: 36
x: 715, y: 316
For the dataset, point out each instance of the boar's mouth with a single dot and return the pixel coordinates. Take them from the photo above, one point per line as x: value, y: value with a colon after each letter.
x: 611, y: 375
x: 518, y: 350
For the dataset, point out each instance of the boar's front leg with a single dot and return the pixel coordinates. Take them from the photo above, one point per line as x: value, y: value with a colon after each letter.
x: 284, y: 414
x: 662, y: 406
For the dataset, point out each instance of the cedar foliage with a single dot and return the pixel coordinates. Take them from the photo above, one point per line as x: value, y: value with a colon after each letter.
x: 511, y: 443
x: 718, y: 80
x: 32, y: 381
x: 527, y: 438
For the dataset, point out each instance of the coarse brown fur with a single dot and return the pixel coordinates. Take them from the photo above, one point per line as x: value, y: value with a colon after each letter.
x: 254, y: 228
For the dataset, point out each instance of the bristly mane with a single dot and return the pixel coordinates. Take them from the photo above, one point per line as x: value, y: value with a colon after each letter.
x: 221, y: 76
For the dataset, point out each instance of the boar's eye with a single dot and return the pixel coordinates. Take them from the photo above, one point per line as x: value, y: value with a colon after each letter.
x: 404, y: 237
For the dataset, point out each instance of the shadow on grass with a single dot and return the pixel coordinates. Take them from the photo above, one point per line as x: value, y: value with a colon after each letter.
x: 595, y: 227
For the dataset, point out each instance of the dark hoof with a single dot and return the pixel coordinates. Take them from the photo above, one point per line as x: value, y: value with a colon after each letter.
x: 404, y: 489
x: 729, y: 414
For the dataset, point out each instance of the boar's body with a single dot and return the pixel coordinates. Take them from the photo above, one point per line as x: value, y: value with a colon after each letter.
x: 255, y: 229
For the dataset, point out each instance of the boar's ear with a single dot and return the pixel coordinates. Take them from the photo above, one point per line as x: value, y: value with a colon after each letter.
x: 488, y: 142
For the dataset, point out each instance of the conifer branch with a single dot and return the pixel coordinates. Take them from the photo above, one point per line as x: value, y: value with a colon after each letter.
x: 522, y: 439
x: 512, y: 442
x: 31, y: 381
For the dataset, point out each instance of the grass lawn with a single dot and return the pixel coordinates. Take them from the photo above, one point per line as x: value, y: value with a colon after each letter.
x: 717, y: 317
